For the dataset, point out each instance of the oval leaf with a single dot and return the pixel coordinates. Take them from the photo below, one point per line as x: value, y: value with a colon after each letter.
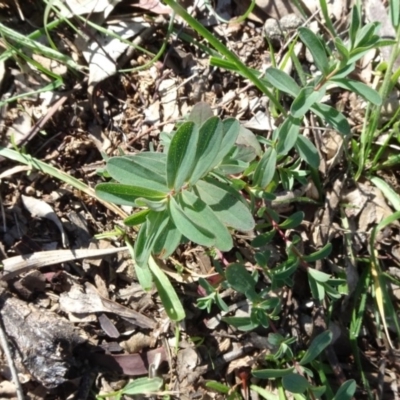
x: 307, y: 151
x: 318, y: 345
x: 365, y: 91
x: 287, y: 135
x: 333, y: 117
x: 316, y: 48
x: 181, y: 155
x: 202, y: 215
x: 194, y: 232
x: 295, y: 383
x: 265, y: 170
x: 226, y: 204
x: 169, y: 298
x: 145, y: 170
x: 272, y: 373
x: 305, y: 99
x: 346, y: 391
x: 282, y: 81
x: 210, y: 138
x: 143, y: 385
x: 125, y: 194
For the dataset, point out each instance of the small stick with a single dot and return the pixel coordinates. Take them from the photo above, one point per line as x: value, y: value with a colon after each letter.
x: 7, y: 352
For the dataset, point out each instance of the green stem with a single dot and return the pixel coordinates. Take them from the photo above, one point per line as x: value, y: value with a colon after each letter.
x: 370, y: 125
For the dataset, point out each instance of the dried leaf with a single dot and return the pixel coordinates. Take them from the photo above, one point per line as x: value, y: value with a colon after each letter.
x: 39, y: 208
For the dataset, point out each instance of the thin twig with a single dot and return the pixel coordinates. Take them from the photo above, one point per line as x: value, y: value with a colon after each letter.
x: 9, y: 357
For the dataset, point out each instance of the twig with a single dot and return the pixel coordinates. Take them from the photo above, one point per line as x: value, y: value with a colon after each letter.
x: 7, y: 352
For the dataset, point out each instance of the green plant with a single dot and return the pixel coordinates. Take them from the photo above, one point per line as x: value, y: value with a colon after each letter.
x: 140, y: 386
x: 292, y: 373
x: 184, y: 192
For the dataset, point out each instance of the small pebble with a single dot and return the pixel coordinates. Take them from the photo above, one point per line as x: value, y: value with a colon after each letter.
x: 272, y: 29
x: 290, y: 22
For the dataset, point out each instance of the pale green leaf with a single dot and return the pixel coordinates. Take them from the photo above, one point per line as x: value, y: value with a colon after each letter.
x: 137, y: 218
x: 316, y: 48
x: 169, y: 298
x: 231, y: 128
x: 194, y: 232
x: 226, y: 204
x: 317, y: 346
x: 200, y: 113
x: 282, y: 81
x: 346, y: 390
x: 365, y: 91
x: 333, y: 117
x: 126, y: 194
x: 145, y: 170
x: 295, y: 383
x: 202, y: 215
x: 265, y: 170
x: 286, y: 135
x: 143, y: 386
x: 209, y: 143
x: 305, y: 99
x: 323, y: 252
x: 272, y: 373
x: 181, y: 155
x: 319, y: 276
x: 307, y: 151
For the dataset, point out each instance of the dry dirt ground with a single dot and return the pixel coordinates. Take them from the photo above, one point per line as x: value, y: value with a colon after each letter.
x: 86, y: 326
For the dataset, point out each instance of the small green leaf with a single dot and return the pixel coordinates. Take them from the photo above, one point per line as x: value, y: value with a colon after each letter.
x: 365, y: 91
x: 305, y: 99
x: 243, y: 323
x: 169, y: 298
x: 145, y: 170
x: 319, y: 276
x: 317, y: 289
x: 137, y: 218
x: 231, y: 128
x: 346, y: 390
x: 282, y: 81
x: 316, y: 48
x: 388, y: 192
x: 293, y: 221
x: 272, y: 373
x: 295, y: 383
x: 241, y: 280
x: 143, y: 272
x: 200, y: 113
x: 267, y: 395
x: 333, y: 117
x: 342, y: 49
x: 167, y: 241
x: 158, y: 206
x: 226, y: 203
x: 202, y: 214
x: 194, y: 232
x: 317, y: 346
x: 147, y: 236
x: 307, y: 151
x: 394, y: 12
x: 210, y: 138
x: 126, y: 194
x: 247, y: 139
x: 320, y: 254
x: 354, y: 24
x: 287, y: 135
x: 219, y: 387
x: 143, y: 386
x: 181, y: 155
x: 265, y: 170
